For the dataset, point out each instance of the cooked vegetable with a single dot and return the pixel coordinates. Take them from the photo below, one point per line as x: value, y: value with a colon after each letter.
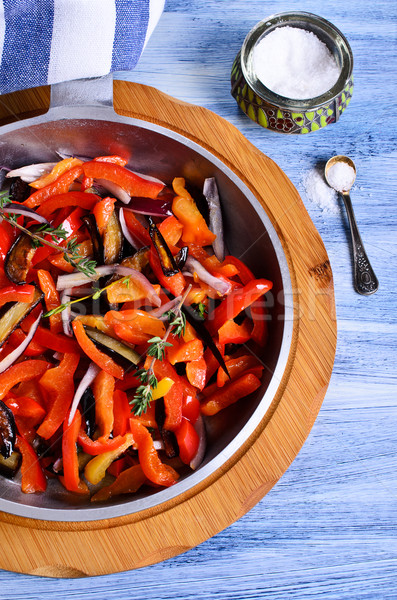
x: 121, y: 388
x: 7, y: 431
x: 12, y: 317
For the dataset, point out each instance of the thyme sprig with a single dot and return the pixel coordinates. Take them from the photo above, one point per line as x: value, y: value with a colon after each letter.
x: 95, y: 295
x: 177, y: 325
x: 57, y: 234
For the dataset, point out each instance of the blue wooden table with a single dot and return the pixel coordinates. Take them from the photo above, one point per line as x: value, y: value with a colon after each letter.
x: 328, y: 528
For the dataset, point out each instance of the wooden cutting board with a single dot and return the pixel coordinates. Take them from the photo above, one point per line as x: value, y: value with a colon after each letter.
x: 101, y: 547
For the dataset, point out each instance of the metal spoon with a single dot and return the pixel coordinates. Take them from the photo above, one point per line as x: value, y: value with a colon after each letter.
x: 364, y: 279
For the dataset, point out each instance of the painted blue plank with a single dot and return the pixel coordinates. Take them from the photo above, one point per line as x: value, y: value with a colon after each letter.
x: 328, y: 528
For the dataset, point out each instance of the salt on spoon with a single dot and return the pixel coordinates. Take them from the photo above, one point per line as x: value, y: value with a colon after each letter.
x: 340, y: 174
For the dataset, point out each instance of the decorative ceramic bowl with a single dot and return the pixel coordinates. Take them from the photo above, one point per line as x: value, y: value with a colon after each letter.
x: 287, y: 115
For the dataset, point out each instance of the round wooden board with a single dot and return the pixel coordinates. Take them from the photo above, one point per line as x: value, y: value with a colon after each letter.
x: 101, y: 547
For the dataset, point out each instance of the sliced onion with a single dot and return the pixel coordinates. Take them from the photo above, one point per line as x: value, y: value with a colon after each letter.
x: 77, y: 279
x: 197, y: 459
x: 141, y: 280
x: 18, y: 209
x: 88, y: 378
x: 161, y: 310
x: 17, y: 352
x: 220, y: 285
x: 147, y: 206
x: 210, y: 191
x: 126, y: 232
x: 115, y: 190
x: 158, y: 445
x: 66, y: 313
x: 32, y: 172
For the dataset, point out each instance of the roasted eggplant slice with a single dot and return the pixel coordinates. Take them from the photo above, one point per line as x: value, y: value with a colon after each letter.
x: 13, y: 316
x: 167, y: 261
x: 87, y: 404
x: 9, y: 466
x: 7, y: 431
x: 121, y: 353
x: 112, y: 241
x: 19, y: 259
x: 181, y: 257
x: 171, y: 447
x: 20, y: 190
x: 97, y: 246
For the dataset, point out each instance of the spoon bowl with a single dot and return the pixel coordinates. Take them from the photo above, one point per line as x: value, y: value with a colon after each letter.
x: 340, y: 174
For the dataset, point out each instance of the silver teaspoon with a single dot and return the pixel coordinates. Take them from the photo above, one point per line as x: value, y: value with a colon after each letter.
x: 340, y: 174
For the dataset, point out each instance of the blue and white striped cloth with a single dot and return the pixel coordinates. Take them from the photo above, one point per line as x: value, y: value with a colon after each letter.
x: 49, y: 41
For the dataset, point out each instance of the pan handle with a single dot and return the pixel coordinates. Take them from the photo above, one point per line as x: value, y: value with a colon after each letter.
x: 97, y: 91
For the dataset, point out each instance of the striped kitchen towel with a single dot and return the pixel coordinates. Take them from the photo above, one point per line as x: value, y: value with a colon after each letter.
x: 49, y: 41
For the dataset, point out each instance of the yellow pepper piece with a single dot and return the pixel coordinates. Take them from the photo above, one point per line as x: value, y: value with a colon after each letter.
x: 163, y: 387
x: 57, y: 171
x: 95, y: 470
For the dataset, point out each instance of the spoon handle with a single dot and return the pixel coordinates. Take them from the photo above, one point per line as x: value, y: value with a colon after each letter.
x: 364, y: 279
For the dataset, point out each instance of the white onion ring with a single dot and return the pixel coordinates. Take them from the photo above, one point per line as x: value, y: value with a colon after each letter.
x: 139, y: 278
x: 17, y: 209
x: 30, y: 173
x: 158, y: 312
x: 19, y: 350
x: 77, y: 279
x: 115, y: 190
x: 66, y: 313
x: 210, y: 191
x: 88, y: 378
x: 126, y: 232
x: 197, y: 459
x: 220, y: 285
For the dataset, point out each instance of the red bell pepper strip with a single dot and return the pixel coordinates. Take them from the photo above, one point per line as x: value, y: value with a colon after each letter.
x: 229, y: 394
x: 130, y: 381
x: 59, y: 386
x: 237, y: 301
x: 212, y: 362
x: 133, y: 184
x: 138, y: 231
x: 181, y: 351
x: 26, y: 408
x: 102, y: 360
x: 122, y: 412
x: 81, y: 199
x: 258, y: 310
x: 51, y: 298
x: 56, y: 341
x: 233, y: 333
x: 113, y: 158
x: 84, y: 250
x: 195, y: 229
x: 33, y: 478
x: 196, y: 371
x: 238, y: 366
x: 102, y: 212
x: 61, y: 167
x: 171, y: 230
x: 33, y: 349
x: 32, y: 390
x: 96, y: 447
x: 59, y: 186
x: 71, y: 224
x: 153, y: 468
x: 117, y: 466
x: 103, y: 389
x: 71, y: 478
x: 7, y: 236
x: 16, y: 293
x: 190, y: 408
x: 128, y: 482
x: 188, y: 441
x: 175, y: 283
x: 23, y: 371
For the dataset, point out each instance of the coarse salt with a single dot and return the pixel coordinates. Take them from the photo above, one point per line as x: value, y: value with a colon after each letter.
x: 295, y: 63
x: 341, y: 176
x: 319, y: 192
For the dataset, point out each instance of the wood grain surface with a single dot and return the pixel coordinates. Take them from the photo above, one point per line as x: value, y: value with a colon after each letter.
x: 328, y: 528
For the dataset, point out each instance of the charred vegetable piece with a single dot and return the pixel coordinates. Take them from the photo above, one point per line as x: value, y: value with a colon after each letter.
x: 167, y: 261
x: 19, y: 190
x: 139, y: 261
x: 202, y: 332
x: 7, y: 431
x: 181, y: 257
x: 12, y: 317
x: 169, y: 440
x: 87, y: 404
x: 19, y: 259
x: 121, y: 353
x: 112, y: 241
x: 97, y: 246
x: 9, y: 466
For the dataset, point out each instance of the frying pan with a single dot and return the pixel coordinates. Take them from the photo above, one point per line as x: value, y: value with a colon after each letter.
x: 81, y: 121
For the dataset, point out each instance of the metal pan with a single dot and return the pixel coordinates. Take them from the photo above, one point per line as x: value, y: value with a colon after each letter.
x: 81, y: 120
